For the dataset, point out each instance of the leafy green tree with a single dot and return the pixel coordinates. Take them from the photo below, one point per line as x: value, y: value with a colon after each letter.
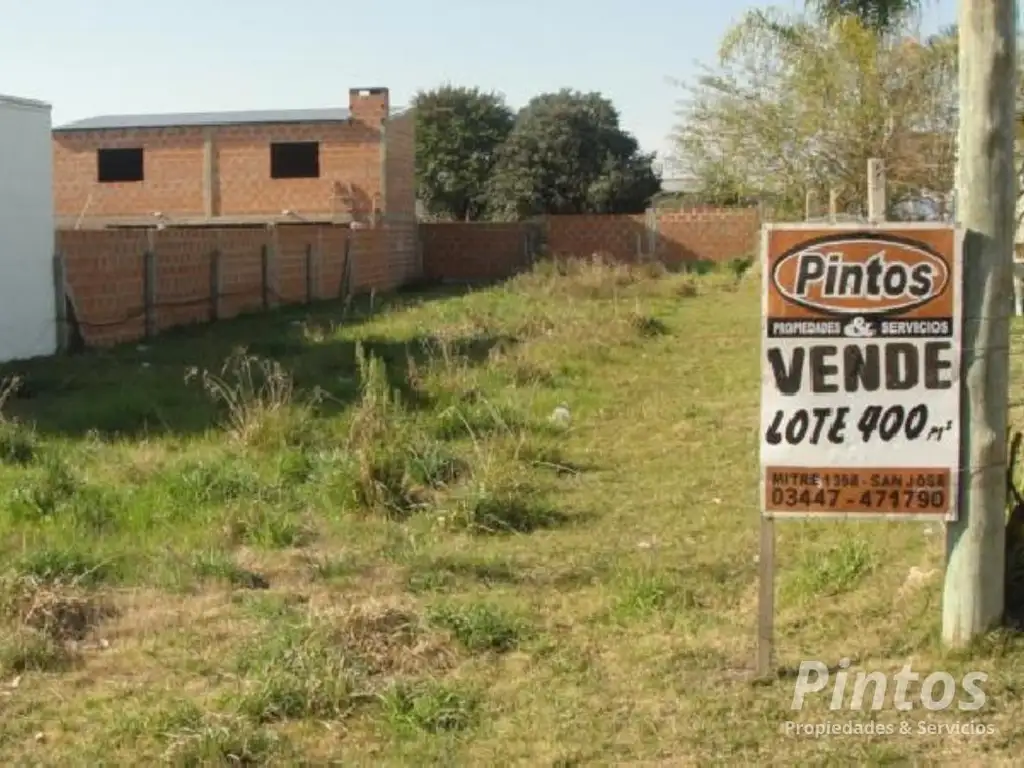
x: 798, y: 103
x: 458, y: 132
x: 568, y: 154
x: 877, y: 15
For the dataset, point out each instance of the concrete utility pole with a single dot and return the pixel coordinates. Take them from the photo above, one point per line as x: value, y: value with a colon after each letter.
x: 986, y: 199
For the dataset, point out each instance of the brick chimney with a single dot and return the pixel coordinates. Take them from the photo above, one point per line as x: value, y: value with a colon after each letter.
x: 368, y: 105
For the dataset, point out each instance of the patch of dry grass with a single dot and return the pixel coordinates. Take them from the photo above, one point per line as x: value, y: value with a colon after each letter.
x: 367, y: 539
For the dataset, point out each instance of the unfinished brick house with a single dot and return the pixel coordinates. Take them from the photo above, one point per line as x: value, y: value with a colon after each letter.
x: 316, y: 165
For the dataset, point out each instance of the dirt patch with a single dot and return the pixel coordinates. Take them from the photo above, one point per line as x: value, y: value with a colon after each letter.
x: 62, y: 613
x: 392, y: 639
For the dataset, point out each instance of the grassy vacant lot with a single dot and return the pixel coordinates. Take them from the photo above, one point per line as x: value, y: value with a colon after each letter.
x: 364, y: 541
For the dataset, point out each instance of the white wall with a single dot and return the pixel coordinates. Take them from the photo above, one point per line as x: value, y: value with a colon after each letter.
x: 28, y: 325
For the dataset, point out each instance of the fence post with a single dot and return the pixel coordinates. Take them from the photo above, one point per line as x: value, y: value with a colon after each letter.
x: 61, y: 298
x: 265, y: 275
x: 651, y: 224
x: 345, y: 287
x: 833, y: 205
x: 310, y: 289
x: 876, y: 191
x: 149, y: 291
x: 215, y: 285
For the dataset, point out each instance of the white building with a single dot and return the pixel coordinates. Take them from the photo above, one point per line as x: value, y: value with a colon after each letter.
x: 28, y: 318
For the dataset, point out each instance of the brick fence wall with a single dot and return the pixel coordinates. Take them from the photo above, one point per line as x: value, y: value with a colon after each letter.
x: 483, y: 251
x: 106, y: 272
x: 109, y: 275
x: 473, y: 251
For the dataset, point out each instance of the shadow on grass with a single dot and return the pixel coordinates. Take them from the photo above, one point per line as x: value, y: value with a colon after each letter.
x: 140, y: 388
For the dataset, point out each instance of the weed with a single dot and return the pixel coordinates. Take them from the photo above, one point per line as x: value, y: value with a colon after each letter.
x: 648, y: 326
x: 18, y: 444
x: 223, y: 741
x: 429, y: 707
x: 262, y: 525
x: 394, y: 468
x: 835, y: 571
x: 45, y: 492
x: 430, y: 463
x: 209, y: 482
x: 31, y: 650
x: 271, y: 607
x: 64, y: 566
x: 740, y: 265
x: 294, y: 670
x: 215, y: 565
x: 258, y: 396
x: 326, y: 568
x: 445, y: 573
x: 644, y: 594
x: 169, y: 721
x: 508, y: 506
x: 549, y: 456
x: 480, y: 626
x: 474, y: 417
x: 385, y: 484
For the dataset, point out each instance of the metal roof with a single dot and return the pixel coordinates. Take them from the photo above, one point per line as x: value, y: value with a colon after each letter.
x: 18, y: 101
x: 197, y: 119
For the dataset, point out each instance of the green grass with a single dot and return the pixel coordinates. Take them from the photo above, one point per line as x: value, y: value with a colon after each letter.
x: 331, y: 534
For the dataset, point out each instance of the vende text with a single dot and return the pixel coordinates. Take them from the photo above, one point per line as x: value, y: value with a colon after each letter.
x: 861, y: 367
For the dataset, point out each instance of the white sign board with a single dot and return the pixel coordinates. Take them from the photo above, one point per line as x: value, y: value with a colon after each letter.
x: 860, y: 381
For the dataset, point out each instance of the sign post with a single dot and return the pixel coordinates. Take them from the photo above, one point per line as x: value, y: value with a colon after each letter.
x: 860, y: 380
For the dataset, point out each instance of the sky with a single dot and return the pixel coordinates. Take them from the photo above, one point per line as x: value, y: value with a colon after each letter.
x: 211, y: 55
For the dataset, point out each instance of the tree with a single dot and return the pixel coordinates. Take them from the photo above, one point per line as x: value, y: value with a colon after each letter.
x: 877, y: 15
x: 799, y: 103
x: 568, y: 154
x: 458, y: 131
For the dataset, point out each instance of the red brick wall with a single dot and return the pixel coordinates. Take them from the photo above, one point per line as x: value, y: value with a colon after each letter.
x: 707, y: 234
x: 701, y: 234
x: 472, y: 251
x: 173, y: 168
x: 174, y: 171
x: 484, y: 251
x: 105, y: 271
x: 106, y: 276
x: 349, y: 154
x: 585, y: 235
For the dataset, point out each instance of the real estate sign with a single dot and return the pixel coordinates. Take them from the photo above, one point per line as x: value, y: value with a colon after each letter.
x: 860, y: 382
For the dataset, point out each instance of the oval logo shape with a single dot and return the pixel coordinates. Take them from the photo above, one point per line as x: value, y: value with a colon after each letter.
x: 860, y: 274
